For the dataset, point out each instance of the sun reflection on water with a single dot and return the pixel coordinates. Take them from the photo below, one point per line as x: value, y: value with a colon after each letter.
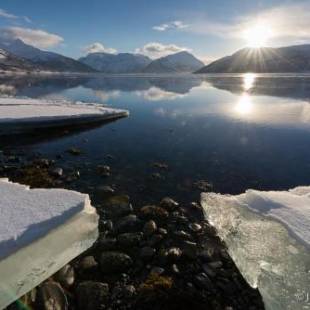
x: 244, y: 105
x: 248, y: 81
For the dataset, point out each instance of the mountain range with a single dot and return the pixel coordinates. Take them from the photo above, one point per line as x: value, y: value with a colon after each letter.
x: 44, y: 60
x: 116, y: 63
x: 263, y: 60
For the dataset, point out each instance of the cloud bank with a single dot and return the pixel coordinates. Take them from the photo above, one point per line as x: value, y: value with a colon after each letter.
x: 35, y: 37
x: 156, y: 49
x: 97, y: 47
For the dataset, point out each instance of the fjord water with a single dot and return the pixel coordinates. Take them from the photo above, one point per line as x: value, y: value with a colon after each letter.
x: 220, y: 133
x: 235, y: 132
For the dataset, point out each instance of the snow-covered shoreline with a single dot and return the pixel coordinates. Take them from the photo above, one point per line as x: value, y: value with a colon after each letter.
x: 22, y: 114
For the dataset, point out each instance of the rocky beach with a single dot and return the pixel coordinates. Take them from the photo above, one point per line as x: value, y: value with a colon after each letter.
x: 162, y: 255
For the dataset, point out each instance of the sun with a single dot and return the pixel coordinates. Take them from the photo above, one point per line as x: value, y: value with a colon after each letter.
x: 257, y: 36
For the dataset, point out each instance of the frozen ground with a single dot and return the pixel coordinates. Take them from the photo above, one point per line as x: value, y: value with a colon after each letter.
x: 41, y: 230
x: 268, y: 235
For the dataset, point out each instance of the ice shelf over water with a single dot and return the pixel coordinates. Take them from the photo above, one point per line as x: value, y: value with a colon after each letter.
x: 18, y: 114
x: 41, y: 230
x: 268, y: 236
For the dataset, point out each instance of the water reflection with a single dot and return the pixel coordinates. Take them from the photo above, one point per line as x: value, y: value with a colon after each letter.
x: 248, y: 81
x: 244, y: 105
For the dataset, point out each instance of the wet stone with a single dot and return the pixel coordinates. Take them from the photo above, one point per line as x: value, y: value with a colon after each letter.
x: 91, y: 295
x: 129, y: 239
x: 168, y: 204
x: 115, y: 262
x: 129, y: 223
x: 149, y: 228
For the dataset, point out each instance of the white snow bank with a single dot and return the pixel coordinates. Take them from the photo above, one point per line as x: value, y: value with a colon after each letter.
x: 267, y: 235
x: 45, y: 113
x: 41, y: 230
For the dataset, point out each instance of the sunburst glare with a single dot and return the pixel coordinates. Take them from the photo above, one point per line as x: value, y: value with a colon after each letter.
x: 258, y: 35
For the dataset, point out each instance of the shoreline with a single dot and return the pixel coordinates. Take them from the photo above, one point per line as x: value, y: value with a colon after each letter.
x: 173, y: 258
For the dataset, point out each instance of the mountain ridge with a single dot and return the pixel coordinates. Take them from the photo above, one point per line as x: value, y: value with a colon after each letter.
x: 294, y: 58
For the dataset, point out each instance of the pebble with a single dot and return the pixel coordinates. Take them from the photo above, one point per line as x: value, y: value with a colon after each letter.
x: 129, y: 223
x: 129, y: 239
x: 169, y: 204
x: 195, y: 227
x: 87, y: 263
x: 149, y: 228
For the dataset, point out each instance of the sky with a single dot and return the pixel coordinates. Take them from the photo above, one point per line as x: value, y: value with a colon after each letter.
x: 208, y: 29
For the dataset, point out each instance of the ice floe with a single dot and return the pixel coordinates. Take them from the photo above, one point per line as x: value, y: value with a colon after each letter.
x: 22, y: 114
x: 41, y: 230
x: 268, y: 236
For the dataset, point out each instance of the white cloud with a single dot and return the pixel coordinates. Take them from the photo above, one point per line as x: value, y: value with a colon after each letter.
x: 156, y: 49
x: 35, y: 37
x: 289, y: 24
x: 177, y: 24
x: 5, y: 14
x: 98, y: 48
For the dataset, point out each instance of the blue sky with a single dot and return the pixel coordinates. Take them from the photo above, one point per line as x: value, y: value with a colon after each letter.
x: 209, y: 29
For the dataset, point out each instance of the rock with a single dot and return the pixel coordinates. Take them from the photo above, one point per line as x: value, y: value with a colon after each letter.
x: 149, y: 228
x: 195, y: 206
x: 195, y: 227
x: 190, y: 249
x: 103, y: 191
x: 103, y: 170
x: 168, y: 204
x: 123, y: 292
x: 51, y: 296
x: 157, y: 270
x: 106, y: 244
x: 87, y: 263
x: 56, y: 172
x: 155, y: 239
x: 65, y: 276
x: 129, y: 239
x: 129, y: 223
x: 203, y: 185
x: 147, y: 253
x: 157, y: 176
x: 209, y: 271
x: 42, y: 162
x: 154, y: 213
x: 160, y: 165
x: 216, y: 264
x: 174, y: 253
x: 92, y: 295
x: 74, y: 151
x: 203, y: 281
x: 115, y: 262
x: 182, y: 235
x: 118, y: 206
x: 175, y: 269
x: 163, y: 231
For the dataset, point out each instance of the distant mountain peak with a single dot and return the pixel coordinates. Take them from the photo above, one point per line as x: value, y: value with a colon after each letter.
x: 180, y: 62
x: 294, y: 58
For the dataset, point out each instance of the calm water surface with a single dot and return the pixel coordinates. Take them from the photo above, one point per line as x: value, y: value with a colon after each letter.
x: 235, y: 132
